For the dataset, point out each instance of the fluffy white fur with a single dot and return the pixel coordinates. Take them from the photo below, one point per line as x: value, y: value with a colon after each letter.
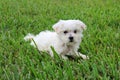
x: 65, y: 40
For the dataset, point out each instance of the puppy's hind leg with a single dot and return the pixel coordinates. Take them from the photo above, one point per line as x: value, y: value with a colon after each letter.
x: 29, y: 37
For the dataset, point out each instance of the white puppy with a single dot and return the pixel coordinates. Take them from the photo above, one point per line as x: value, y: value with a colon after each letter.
x: 65, y: 40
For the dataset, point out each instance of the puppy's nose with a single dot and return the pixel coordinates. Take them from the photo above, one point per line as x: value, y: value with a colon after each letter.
x: 71, y: 39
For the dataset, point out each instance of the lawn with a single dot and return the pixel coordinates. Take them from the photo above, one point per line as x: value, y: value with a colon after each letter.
x: 101, y: 42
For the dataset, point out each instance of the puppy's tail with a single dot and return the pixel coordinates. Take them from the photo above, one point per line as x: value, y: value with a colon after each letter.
x: 29, y: 37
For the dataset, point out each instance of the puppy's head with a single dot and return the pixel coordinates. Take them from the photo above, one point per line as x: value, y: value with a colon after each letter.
x: 69, y: 31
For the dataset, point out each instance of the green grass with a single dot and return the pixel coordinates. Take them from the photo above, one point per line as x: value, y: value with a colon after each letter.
x: 20, y: 61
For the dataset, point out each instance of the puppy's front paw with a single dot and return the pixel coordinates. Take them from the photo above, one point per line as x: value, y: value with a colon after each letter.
x: 83, y: 56
x: 64, y: 57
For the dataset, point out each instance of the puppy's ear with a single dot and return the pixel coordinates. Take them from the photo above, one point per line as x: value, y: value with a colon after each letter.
x: 81, y: 24
x: 84, y: 27
x: 57, y: 26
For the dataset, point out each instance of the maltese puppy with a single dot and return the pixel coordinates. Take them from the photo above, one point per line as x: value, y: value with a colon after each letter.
x: 65, y: 40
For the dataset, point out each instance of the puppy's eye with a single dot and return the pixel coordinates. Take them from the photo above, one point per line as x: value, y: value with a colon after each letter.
x: 65, y: 32
x: 75, y: 31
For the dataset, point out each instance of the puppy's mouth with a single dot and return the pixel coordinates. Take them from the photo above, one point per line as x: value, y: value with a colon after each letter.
x: 71, y: 41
